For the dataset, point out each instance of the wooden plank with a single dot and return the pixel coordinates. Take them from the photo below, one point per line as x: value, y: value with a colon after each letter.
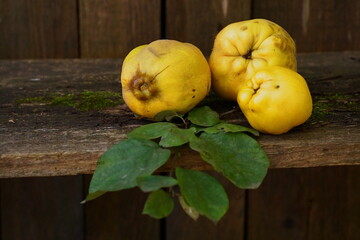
x: 353, y: 198
x: 311, y: 203
x: 112, y: 31
x: 112, y: 28
x: 231, y: 226
x: 198, y: 23
x: 38, y: 208
x: 39, y: 140
x: 38, y: 29
x: 117, y: 215
x: 323, y: 207
x: 315, y: 25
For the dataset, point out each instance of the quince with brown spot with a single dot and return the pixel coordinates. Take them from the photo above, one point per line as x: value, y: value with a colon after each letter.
x: 242, y: 48
x: 164, y: 75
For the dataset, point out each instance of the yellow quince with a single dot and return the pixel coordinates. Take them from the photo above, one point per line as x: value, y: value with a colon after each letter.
x: 164, y: 75
x: 242, y: 48
x: 275, y: 100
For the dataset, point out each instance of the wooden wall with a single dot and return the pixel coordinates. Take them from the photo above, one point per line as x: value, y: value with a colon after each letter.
x: 314, y: 203
x: 111, y: 28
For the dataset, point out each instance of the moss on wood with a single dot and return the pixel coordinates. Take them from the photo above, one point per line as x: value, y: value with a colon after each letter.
x: 329, y: 104
x: 83, y: 101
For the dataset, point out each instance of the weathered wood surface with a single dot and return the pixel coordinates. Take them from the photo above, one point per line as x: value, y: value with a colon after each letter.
x: 306, y: 203
x: 110, y: 29
x: 198, y: 23
x: 38, y: 29
x: 315, y: 25
x: 41, y: 208
x: 118, y: 215
x: 38, y: 140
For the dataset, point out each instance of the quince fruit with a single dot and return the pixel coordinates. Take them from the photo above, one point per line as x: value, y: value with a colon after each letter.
x: 275, y: 100
x: 241, y: 48
x: 164, y: 75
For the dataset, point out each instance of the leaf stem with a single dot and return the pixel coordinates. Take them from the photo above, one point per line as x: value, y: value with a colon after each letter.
x: 172, y: 170
x: 186, y: 125
x: 176, y: 155
x: 228, y: 112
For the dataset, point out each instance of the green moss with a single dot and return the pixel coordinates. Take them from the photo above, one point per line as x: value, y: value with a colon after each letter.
x: 320, y: 110
x: 98, y: 100
x: 62, y: 100
x: 83, y: 101
x: 325, y: 105
x: 39, y: 99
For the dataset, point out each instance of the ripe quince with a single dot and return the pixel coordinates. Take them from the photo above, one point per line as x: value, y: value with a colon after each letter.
x: 164, y: 75
x: 241, y: 48
x: 275, y: 100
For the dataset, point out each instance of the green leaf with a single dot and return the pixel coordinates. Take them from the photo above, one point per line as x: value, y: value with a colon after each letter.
x: 151, y: 130
x: 191, y: 212
x: 170, y: 134
x: 92, y: 196
x: 228, y: 127
x: 203, y: 116
x: 203, y: 193
x: 167, y: 115
x: 177, y: 137
x: 122, y: 163
x: 159, y: 204
x: 152, y: 183
x: 237, y: 156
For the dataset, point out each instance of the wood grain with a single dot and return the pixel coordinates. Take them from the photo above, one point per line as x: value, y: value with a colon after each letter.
x: 198, y: 23
x: 311, y: 203
x: 317, y: 25
x: 40, y: 140
x: 38, y: 29
x: 41, y: 208
x: 110, y: 29
x: 117, y: 215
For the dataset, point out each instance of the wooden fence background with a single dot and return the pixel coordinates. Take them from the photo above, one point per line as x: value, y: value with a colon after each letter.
x: 313, y: 203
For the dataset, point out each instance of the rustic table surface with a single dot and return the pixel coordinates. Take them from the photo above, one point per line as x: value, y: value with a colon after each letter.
x: 38, y: 139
